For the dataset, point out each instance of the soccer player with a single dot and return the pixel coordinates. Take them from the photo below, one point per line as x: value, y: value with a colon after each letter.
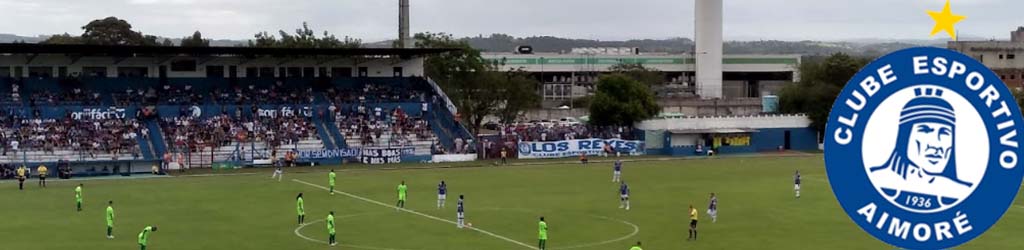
x: 542, y: 236
x: 300, y: 208
x: 617, y: 171
x: 504, y: 156
x: 78, y: 197
x: 636, y: 247
x: 330, y: 229
x: 110, y: 219
x: 278, y: 171
x: 583, y: 158
x: 442, y: 194
x: 624, y: 196
x: 713, y: 208
x: 144, y: 236
x: 461, y: 217
x: 330, y: 180
x: 693, y: 223
x: 402, y: 189
x: 21, y: 178
x: 796, y: 180
x: 42, y: 175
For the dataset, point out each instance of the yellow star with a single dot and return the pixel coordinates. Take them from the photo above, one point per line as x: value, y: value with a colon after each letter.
x: 944, y: 21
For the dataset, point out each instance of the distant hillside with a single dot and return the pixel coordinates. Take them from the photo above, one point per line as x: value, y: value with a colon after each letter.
x: 506, y: 43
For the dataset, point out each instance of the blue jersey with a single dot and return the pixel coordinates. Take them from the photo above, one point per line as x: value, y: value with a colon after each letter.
x: 460, y: 206
x: 796, y: 179
x: 714, y: 203
x: 618, y: 166
x: 442, y: 188
x: 624, y: 189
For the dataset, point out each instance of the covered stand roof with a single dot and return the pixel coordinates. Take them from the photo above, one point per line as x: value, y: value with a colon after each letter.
x: 124, y: 50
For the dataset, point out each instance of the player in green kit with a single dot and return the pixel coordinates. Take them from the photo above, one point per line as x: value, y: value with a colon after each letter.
x: 543, y: 234
x: 144, y: 236
x: 401, y: 195
x: 330, y: 180
x: 78, y: 197
x: 636, y: 247
x: 300, y: 208
x: 330, y: 229
x: 110, y: 219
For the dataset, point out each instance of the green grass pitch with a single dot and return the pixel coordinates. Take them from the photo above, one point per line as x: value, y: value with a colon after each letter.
x: 757, y: 209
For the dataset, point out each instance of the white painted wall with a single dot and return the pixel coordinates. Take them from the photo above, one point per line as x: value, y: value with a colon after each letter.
x: 754, y: 122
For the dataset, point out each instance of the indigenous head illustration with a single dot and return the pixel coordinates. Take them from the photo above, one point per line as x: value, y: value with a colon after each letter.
x: 924, y: 153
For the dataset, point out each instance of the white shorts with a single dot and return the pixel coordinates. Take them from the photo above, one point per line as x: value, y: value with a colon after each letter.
x: 460, y: 215
x: 712, y: 211
x: 796, y: 186
x: 617, y: 173
x: 442, y: 197
x: 278, y: 171
x: 624, y: 196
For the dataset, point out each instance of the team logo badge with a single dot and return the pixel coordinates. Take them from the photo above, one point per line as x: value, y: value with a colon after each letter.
x: 922, y: 147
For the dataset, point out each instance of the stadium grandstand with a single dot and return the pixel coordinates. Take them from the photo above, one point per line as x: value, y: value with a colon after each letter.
x: 103, y: 108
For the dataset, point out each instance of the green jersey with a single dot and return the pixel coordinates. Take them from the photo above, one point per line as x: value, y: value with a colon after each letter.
x: 110, y: 216
x: 636, y: 248
x: 402, y: 189
x: 330, y: 224
x: 144, y: 235
x: 543, y: 230
x: 78, y: 193
x: 331, y: 177
x: 299, y: 207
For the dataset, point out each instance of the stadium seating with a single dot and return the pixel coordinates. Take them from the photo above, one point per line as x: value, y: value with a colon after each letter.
x: 212, y: 120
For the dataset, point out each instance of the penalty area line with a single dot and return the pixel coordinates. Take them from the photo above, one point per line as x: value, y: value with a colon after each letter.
x: 416, y: 213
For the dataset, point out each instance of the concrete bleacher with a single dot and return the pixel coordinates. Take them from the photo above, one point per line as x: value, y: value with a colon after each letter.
x: 62, y: 154
x: 348, y: 93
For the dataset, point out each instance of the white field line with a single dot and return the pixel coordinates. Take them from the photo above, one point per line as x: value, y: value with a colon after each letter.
x: 325, y: 242
x: 418, y: 213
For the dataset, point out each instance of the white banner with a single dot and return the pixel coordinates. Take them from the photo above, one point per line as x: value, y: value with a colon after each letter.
x: 572, y: 148
x: 453, y: 158
x: 98, y: 113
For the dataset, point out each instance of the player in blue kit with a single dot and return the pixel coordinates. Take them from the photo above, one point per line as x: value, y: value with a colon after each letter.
x: 460, y: 214
x: 617, y: 171
x: 624, y: 196
x: 796, y: 181
x: 442, y: 194
x: 713, y: 208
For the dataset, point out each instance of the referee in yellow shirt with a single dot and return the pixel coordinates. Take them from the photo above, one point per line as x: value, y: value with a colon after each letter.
x: 42, y: 175
x: 693, y: 223
x: 21, y: 178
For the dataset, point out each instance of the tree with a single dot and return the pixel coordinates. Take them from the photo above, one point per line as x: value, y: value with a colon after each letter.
x: 114, y: 31
x: 519, y: 93
x: 621, y: 100
x: 649, y: 76
x: 167, y: 43
x: 196, y: 40
x: 821, y: 80
x: 304, y: 37
x: 474, y: 85
x: 62, y: 39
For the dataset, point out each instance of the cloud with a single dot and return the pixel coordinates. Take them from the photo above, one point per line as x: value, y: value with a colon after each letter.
x: 601, y: 19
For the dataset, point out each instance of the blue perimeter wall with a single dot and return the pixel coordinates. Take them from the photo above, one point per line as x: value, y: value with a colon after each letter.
x: 766, y: 139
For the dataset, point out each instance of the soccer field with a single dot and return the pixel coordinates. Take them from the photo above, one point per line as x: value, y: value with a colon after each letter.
x: 757, y: 209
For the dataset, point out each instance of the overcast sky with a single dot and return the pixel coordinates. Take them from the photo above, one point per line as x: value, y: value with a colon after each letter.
x: 374, y: 20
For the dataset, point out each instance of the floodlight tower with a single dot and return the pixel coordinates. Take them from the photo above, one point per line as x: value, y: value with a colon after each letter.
x: 708, y: 53
x: 403, y: 25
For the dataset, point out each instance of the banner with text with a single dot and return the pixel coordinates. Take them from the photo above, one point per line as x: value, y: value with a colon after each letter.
x: 571, y: 148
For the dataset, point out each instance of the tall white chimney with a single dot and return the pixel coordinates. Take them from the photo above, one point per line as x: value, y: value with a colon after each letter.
x: 403, y: 25
x: 709, y: 48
